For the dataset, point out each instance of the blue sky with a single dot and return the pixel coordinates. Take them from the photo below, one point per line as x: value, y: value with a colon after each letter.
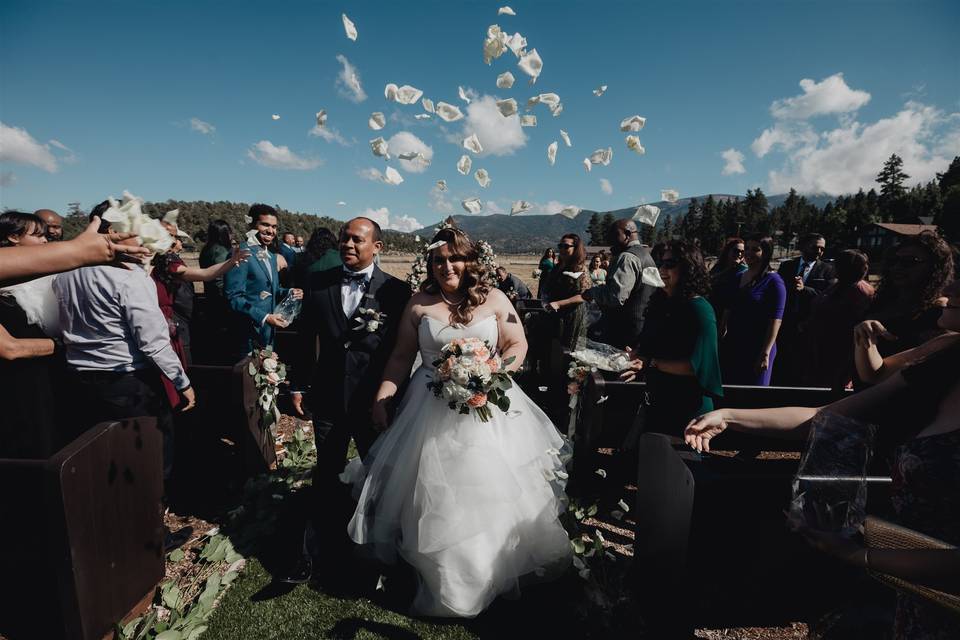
x: 98, y: 97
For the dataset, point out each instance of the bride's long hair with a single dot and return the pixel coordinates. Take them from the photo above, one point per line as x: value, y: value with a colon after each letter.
x: 471, y: 283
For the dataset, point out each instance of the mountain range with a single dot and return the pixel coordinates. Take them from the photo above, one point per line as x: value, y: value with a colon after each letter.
x: 532, y: 233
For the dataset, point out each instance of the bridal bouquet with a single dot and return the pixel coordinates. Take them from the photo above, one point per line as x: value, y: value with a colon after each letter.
x: 469, y: 376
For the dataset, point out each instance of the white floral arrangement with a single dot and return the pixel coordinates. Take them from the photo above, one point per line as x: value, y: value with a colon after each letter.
x: 370, y: 320
x: 471, y: 377
x: 592, y: 357
x: 268, y: 374
x: 488, y: 263
x: 537, y: 273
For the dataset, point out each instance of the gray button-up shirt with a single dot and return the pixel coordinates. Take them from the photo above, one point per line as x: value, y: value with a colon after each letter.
x: 111, y: 321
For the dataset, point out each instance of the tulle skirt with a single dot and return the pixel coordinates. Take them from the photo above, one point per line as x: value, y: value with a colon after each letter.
x: 471, y: 505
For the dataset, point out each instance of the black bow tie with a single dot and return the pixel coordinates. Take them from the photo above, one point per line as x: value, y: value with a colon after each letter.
x: 360, y: 278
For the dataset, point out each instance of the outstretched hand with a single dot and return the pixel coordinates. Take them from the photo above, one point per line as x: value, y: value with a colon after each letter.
x: 100, y: 248
x: 870, y: 332
x: 703, y: 429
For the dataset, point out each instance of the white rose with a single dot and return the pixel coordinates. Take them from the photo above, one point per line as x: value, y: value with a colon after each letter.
x: 449, y: 390
x: 483, y: 370
x: 373, y: 325
x: 270, y: 364
x: 460, y: 374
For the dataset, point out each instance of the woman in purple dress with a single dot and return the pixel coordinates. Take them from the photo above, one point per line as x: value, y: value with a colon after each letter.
x: 752, y: 313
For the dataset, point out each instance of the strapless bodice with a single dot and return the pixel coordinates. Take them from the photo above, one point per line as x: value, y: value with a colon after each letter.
x: 435, y: 334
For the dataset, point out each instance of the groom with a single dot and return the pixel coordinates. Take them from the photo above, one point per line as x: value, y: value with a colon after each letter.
x: 347, y: 331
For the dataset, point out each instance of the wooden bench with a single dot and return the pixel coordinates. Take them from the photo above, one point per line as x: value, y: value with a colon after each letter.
x: 82, y: 533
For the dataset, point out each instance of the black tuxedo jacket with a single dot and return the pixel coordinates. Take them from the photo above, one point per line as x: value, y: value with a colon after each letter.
x: 799, y: 303
x: 341, y: 361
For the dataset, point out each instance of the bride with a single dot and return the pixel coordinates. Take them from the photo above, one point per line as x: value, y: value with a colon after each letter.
x: 472, y: 506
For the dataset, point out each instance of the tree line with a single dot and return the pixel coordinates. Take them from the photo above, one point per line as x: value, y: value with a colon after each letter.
x: 710, y: 222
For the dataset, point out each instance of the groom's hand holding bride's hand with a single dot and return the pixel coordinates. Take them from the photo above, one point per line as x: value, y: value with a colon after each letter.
x: 379, y: 417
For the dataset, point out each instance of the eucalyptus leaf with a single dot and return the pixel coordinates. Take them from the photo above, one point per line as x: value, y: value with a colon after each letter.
x: 196, y: 632
x: 176, y: 555
x: 131, y: 627
x: 252, y: 369
x: 171, y: 634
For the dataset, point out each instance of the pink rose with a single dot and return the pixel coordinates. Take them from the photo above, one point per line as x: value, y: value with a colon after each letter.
x: 445, y: 367
x: 273, y: 378
x: 573, y: 388
x: 493, y: 364
x: 481, y: 352
x: 477, y: 400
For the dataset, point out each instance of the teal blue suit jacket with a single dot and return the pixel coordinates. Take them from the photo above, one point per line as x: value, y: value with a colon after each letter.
x: 253, y: 290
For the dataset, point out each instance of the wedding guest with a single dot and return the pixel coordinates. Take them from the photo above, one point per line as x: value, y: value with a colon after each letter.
x: 605, y: 261
x: 215, y: 250
x: 172, y: 277
x: 54, y: 224
x: 751, y: 319
x: 28, y: 364
x: 568, y: 280
x: 116, y: 339
x: 828, y: 335
x: 729, y: 262
x: 511, y: 285
x: 300, y: 245
x: 925, y: 495
x: 288, y: 247
x: 320, y: 254
x: 19, y: 263
x: 253, y: 289
x: 598, y: 275
x: 624, y: 295
x: 677, y: 351
x: 546, y: 264
x: 909, y: 298
x: 805, y: 278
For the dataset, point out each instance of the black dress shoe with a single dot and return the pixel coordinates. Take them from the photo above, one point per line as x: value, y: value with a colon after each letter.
x: 301, y: 572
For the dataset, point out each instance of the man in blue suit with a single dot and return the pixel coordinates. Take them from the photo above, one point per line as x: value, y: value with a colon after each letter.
x: 253, y: 288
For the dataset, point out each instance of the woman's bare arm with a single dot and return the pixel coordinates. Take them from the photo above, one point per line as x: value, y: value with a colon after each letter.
x: 513, y: 343
x: 206, y: 274
x: 19, y: 348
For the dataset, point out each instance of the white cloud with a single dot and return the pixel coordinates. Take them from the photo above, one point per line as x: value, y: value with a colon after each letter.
x: 785, y: 136
x: 199, y: 125
x: 348, y: 81
x: 605, y: 186
x: 830, y: 95
x: 329, y: 134
x: 733, y: 160
x: 499, y: 136
x: 849, y: 157
x: 490, y: 207
x: 383, y: 217
x: 7, y: 178
x: 71, y: 157
x: 18, y: 146
x: 438, y: 201
x: 406, y: 142
x: 270, y: 155
x: 372, y: 174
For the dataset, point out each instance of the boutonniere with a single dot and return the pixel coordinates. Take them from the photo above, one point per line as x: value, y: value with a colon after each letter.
x: 370, y: 319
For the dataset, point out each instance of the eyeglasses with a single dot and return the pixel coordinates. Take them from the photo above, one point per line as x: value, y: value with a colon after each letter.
x: 907, y: 261
x: 563, y: 246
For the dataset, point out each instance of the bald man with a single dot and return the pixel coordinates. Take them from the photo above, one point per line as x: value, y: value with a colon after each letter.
x: 623, y: 297
x: 54, y: 224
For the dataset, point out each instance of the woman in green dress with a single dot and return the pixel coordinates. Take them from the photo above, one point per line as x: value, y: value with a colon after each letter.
x: 320, y: 254
x: 677, y: 350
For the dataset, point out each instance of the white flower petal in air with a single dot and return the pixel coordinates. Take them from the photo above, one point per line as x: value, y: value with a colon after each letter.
x: 483, y: 178
x: 651, y: 276
x: 448, y: 112
x: 505, y: 80
x: 587, y: 164
x: 552, y: 100
x: 442, y: 184
x: 633, y: 143
x: 392, y: 176
x: 507, y: 107
x: 623, y: 505
x: 472, y: 143
x: 670, y: 195
x: 570, y: 212
x: 566, y: 138
x: 390, y: 91
x: 517, y: 44
x: 350, y: 28
x: 602, y: 156
x: 428, y: 105
x: 409, y: 155
x: 506, y: 11
x: 463, y: 95
x: 495, y: 43
x: 275, y: 116
x: 377, y: 121
x: 647, y: 214
x: 380, y: 148
x: 556, y: 110
x: 321, y: 117
x: 341, y: 204
x: 521, y: 206
x: 633, y: 123
x: 422, y: 116
x: 601, y: 472
x: 552, y: 152
x: 408, y: 95
x: 463, y: 164
x: 599, y: 91
x: 528, y: 121
x: 531, y: 64
x: 472, y: 205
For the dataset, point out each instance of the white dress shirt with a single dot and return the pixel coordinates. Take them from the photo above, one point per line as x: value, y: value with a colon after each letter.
x: 351, y: 292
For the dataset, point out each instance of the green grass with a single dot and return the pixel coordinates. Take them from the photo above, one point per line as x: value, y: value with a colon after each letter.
x: 308, y: 613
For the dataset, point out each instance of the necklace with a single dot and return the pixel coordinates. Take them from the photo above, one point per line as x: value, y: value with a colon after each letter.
x: 452, y: 304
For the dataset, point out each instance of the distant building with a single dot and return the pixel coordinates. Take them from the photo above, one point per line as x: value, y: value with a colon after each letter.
x: 876, y: 239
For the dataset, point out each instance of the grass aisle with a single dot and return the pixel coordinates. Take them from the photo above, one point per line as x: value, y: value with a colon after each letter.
x: 310, y: 614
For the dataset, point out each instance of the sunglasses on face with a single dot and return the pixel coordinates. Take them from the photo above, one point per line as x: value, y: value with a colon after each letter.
x: 563, y: 246
x: 737, y: 252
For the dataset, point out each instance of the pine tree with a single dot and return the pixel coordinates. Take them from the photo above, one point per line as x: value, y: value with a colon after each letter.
x: 950, y: 177
x: 690, y: 223
x: 893, y: 206
x: 709, y: 230
x: 606, y: 226
x: 595, y: 230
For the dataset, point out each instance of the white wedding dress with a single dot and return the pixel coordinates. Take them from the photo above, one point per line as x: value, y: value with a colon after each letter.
x: 471, y: 505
